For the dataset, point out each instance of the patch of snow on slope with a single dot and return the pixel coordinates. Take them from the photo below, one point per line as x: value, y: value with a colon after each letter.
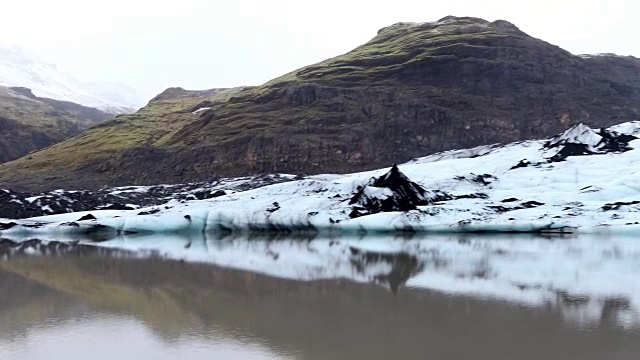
x: 201, y: 110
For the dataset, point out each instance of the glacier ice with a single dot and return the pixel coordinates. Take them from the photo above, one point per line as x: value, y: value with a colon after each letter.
x: 487, y: 189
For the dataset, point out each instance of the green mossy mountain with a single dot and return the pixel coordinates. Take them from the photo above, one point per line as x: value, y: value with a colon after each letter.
x: 84, y: 160
x: 413, y: 90
x: 29, y: 123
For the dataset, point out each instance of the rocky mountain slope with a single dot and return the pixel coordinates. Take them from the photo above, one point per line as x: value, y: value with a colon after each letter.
x: 414, y: 89
x: 29, y: 123
x: 20, y: 68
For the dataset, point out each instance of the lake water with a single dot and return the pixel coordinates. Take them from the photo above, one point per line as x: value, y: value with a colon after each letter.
x: 186, y: 298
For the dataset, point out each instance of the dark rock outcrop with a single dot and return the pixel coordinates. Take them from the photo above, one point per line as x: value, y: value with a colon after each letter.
x: 581, y: 140
x: 17, y: 205
x: 392, y: 192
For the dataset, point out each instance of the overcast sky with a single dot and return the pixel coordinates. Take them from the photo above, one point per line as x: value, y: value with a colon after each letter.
x: 198, y: 44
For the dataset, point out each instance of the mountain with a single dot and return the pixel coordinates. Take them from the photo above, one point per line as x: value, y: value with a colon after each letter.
x: 29, y: 123
x: 413, y: 90
x: 150, y: 127
x: 18, y: 68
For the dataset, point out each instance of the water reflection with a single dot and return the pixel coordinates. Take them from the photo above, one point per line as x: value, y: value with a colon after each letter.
x: 97, y: 336
x: 196, y: 297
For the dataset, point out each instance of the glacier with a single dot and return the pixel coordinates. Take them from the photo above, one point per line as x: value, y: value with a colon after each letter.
x: 581, y: 181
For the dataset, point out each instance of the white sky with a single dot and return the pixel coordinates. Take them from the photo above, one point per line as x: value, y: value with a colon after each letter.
x: 198, y: 44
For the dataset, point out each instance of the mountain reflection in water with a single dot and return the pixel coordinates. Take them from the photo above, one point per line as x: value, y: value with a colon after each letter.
x: 164, y: 297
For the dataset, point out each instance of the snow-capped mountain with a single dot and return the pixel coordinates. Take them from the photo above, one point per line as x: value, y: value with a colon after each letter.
x: 19, y: 68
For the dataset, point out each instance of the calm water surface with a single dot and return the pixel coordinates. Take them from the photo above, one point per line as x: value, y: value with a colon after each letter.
x: 449, y: 298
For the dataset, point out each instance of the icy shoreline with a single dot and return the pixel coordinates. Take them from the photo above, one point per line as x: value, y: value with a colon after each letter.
x: 581, y: 181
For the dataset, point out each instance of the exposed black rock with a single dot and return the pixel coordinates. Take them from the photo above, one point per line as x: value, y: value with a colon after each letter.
x: 392, y: 192
x: 580, y: 140
x: 22, y: 205
x: 33, y: 226
x: 205, y: 194
x: 571, y: 149
x: 521, y: 164
x: 7, y: 226
x: 18, y: 205
x: 274, y: 207
x: 471, y: 196
x: 11, y: 203
x: 524, y: 205
x: 218, y: 193
x: 483, y: 179
x: 501, y: 209
x: 87, y: 217
x: 116, y: 206
x: 531, y: 204
x: 617, y: 205
x: 614, y: 142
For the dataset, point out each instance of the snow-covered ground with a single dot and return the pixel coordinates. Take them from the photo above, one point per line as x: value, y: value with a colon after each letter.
x: 581, y: 181
x: 18, y: 68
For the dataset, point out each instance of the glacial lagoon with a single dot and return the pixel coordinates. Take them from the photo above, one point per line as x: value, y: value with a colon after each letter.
x: 410, y: 297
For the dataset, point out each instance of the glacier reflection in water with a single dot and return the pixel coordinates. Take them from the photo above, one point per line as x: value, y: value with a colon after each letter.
x: 490, y: 297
